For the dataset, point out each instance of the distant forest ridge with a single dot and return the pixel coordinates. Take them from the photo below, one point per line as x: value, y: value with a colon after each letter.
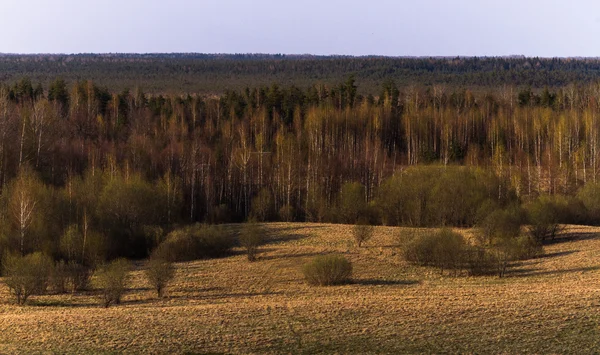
x: 216, y: 73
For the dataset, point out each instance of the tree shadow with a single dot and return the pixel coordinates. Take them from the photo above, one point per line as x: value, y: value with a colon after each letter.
x: 557, y: 254
x: 570, y: 237
x: 60, y: 303
x: 541, y: 272
x: 379, y: 282
x: 288, y: 256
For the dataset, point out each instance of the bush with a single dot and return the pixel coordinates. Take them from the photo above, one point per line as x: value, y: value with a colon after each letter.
x: 445, y: 249
x: 589, y: 195
x: 159, y: 273
x: 27, y: 275
x: 251, y: 238
x: 544, y: 216
x: 195, y: 242
x: 69, y: 277
x: 79, y: 276
x: 500, y: 224
x: 59, y: 277
x: 112, y: 280
x: 328, y: 270
x: 362, y: 232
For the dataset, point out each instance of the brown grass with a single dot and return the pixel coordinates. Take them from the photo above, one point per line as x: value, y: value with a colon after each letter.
x: 228, y: 305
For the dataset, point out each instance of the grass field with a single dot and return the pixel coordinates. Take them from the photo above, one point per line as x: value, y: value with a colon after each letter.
x: 547, y: 305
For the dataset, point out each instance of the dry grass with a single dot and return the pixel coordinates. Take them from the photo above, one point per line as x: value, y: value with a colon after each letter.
x: 547, y: 305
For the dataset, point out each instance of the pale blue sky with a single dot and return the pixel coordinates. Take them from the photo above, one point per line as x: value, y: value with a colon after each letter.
x: 404, y: 27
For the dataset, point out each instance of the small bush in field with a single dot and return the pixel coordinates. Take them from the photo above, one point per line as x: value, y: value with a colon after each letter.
x: 251, y: 238
x: 328, y: 270
x: 362, y: 232
x: 159, y: 272
x: 195, y: 242
x: 112, y: 280
x: 27, y: 275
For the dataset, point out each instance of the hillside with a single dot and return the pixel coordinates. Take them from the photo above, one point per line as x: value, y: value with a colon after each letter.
x: 547, y: 305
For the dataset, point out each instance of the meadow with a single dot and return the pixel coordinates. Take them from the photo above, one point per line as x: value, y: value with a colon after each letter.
x: 549, y: 304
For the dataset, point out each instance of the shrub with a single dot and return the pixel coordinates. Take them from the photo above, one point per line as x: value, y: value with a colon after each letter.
x: 159, y: 273
x: 69, y: 277
x: 195, y: 242
x: 112, y: 280
x: 543, y: 216
x: 27, y: 275
x: 479, y: 261
x: 251, y: 238
x: 445, y: 249
x: 500, y: 224
x: 590, y: 197
x: 59, y: 277
x: 328, y: 270
x: 362, y: 232
x: 500, y: 235
x: 79, y: 276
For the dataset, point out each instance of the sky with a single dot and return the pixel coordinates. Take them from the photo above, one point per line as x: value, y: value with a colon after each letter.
x: 545, y: 28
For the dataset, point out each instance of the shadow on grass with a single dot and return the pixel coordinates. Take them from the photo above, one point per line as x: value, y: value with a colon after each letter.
x: 557, y: 254
x: 379, y: 282
x: 570, y: 237
x: 540, y: 272
x: 287, y: 256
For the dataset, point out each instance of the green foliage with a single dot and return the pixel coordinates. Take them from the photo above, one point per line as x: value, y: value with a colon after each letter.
x: 112, y: 279
x: 125, y: 207
x: 251, y: 238
x: 434, y: 196
x: 362, y: 232
x: 159, y: 272
x: 195, y: 242
x: 327, y: 270
x: 27, y: 275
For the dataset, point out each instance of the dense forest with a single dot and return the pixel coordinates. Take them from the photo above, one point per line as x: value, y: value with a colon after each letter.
x: 214, y: 74
x: 114, y: 171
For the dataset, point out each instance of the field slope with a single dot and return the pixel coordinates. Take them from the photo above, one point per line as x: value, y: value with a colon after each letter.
x: 546, y: 305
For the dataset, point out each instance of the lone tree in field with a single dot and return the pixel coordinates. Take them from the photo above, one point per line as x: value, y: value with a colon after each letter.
x: 112, y: 280
x: 362, y: 232
x: 159, y: 273
x: 27, y: 275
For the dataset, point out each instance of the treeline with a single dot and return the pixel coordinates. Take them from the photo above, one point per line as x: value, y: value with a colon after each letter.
x: 82, y: 166
x: 214, y: 74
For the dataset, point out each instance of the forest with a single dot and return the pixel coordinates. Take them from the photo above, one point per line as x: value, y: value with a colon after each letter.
x: 110, y: 173
x: 215, y: 73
